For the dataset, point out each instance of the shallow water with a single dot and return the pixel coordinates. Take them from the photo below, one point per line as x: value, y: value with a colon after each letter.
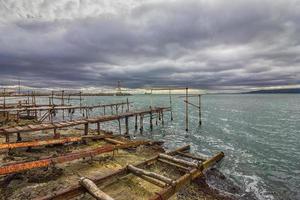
x: 260, y: 135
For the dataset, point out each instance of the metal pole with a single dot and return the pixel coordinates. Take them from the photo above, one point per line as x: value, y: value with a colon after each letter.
x: 200, y: 120
x: 186, y: 110
x: 171, y: 105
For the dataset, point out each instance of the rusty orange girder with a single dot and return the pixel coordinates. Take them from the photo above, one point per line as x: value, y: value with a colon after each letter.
x: 13, y: 168
x: 39, y: 143
x: 44, y: 142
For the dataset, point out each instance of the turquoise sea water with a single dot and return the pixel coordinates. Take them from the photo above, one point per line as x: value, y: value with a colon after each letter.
x: 260, y: 135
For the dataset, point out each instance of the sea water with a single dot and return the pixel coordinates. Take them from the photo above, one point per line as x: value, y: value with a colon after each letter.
x: 259, y: 134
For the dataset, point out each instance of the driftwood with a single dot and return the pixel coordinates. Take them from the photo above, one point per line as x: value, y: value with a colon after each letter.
x: 93, y: 190
x: 139, y: 171
x: 176, y: 160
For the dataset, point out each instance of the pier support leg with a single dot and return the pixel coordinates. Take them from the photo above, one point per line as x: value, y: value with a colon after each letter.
x: 127, y: 102
x: 151, y: 124
x: 200, y: 120
x: 126, y: 125
x: 98, y: 128
x: 135, y: 123
x: 186, y: 110
x: 86, y: 129
x: 19, y: 137
x: 141, y: 123
x: 162, y: 118
x: 6, y: 138
x: 56, y: 134
x: 120, y: 131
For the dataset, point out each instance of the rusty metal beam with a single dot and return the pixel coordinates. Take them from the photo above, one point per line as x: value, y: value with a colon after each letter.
x: 51, y: 141
x: 13, y: 168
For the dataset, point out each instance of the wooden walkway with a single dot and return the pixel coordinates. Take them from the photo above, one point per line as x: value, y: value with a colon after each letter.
x: 59, y: 107
x: 85, y: 122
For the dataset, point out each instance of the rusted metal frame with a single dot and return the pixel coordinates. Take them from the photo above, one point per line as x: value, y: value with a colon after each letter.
x: 13, y: 168
x: 50, y: 142
x: 77, y: 189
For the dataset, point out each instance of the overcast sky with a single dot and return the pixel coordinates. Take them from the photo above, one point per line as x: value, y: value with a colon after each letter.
x: 210, y: 44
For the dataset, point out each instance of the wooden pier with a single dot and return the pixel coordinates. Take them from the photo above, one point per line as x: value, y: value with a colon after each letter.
x: 95, y: 120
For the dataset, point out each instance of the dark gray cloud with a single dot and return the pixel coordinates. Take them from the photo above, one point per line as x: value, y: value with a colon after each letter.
x: 209, y: 44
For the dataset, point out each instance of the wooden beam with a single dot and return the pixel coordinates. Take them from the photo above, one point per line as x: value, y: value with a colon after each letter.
x: 93, y: 190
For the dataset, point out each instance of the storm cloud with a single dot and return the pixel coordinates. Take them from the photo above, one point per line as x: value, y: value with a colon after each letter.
x: 210, y: 44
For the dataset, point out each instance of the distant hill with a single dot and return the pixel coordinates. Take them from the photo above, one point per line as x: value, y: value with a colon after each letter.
x: 276, y: 91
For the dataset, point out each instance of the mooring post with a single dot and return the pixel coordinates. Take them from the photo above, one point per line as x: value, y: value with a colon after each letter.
x: 141, y: 123
x: 112, y: 111
x: 186, y: 110
x: 86, y: 129
x: 171, y: 105
x: 126, y: 125
x: 200, y: 120
x: 98, y: 128
x: 135, y: 123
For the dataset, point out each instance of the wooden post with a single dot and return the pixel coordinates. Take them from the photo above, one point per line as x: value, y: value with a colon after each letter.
x: 120, y: 131
x: 98, y: 128
x: 117, y: 109
x: 162, y: 118
x: 86, y: 129
x: 141, y: 123
x: 104, y: 110
x: 200, y: 120
x: 4, y: 102
x: 56, y: 135
x: 80, y: 101
x: 19, y: 137
x: 35, y: 112
x: 135, y: 123
x: 127, y: 102
x: 126, y: 125
x: 171, y: 105
x: 151, y: 124
x: 92, y: 189
x: 62, y: 103
x: 52, y: 96
x: 186, y: 110
x: 7, y: 138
